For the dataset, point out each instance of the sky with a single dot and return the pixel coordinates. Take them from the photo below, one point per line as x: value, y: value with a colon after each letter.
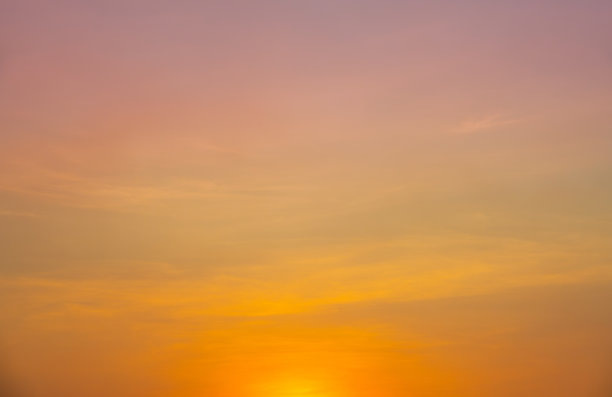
x: 339, y: 198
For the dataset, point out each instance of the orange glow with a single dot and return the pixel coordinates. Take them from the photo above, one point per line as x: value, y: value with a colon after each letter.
x: 294, y: 386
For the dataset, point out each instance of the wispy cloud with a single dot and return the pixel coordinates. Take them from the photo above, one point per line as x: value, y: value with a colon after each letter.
x: 486, y: 123
x: 19, y: 214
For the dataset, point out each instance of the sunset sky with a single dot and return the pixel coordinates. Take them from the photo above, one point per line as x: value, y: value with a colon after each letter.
x: 305, y: 198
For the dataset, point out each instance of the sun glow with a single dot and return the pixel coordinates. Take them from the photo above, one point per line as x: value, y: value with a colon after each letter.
x: 296, y: 386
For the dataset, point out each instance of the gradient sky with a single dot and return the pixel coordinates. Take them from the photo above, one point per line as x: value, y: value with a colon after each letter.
x: 316, y: 198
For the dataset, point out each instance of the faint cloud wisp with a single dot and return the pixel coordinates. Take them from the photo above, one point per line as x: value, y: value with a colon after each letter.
x: 487, y: 123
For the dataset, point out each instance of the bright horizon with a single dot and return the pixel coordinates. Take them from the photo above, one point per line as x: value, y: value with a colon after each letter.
x: 305, y: 198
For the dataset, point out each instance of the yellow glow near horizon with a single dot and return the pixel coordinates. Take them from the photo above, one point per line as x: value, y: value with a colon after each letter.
x: 296, y: 386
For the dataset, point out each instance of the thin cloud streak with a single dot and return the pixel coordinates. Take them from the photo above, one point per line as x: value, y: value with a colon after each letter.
x: 486, y: 124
